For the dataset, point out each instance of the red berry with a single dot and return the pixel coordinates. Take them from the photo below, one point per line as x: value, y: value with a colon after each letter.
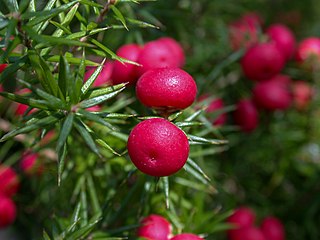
x: 283, y: 79
x: 166, y: 88
x: 31, y: 165
x: 186, y: 236
x: 272, y: 95
x: 3, y: 67
x: 157, y: 54
x: 302, y: 94
x: 9, y: 181
x: 104, y: 78
x: 217, y: 104
x: 262, y: 61
x: 248, y: 233
x: 126, y: 72
x: 284, y: 39
x: 308, y: 48
x: 176, y: 49
x: 7, y: 211
x: 21, y: 109
x: 157, y: 147
x: 242, y: 217
x: 246, y: 115
x: 154, y: 227
x: 273, y: 229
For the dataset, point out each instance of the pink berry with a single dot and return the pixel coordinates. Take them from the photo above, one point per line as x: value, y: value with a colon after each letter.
x: 176, y: 49
x: 273, y: 229
x: 248, y: 233
x: 31, y: 164
x: 302, y: 94
x: 157, y: 54
x: 157, y: 147
x: 8, y: 211
x: 186, y: 236
x: 242, y: 217
x: 154, y: 227
x: 104, y: 78
x: 309, y: 48
x: 272, y: 95
x: 281, y: 78
x: 246, y: 115
x: 126, y: 72
x: 9, y: 181
x: 166, y: 88
x: 217, y: 104
x: 284, y: 39
x: 262, y: 61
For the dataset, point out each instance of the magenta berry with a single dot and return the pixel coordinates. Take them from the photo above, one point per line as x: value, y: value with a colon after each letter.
x: 241, y: 218
x: 186, y: 236
x: 8, y: 211
x: 273, y: 229
x: 154, y: 227
x: 157, y: 147
x: 31, y: 164
x: 302, y: 93
x: 166, y: 88
x: 157, y: 54
x: 9, y: 181
x: 262, y: 61
x: 307, y: 49
x: 284, y: 39
x: 104, y: 77
x: 176, y: 49
x: 126, y: 72
x: 272, y: 95
x: 214, y: 105
x: 246, y: 115
x: 248, y: 233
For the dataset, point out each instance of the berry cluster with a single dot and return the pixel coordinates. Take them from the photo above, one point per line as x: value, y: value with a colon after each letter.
x: 243, y: 220
x: 156, y: 227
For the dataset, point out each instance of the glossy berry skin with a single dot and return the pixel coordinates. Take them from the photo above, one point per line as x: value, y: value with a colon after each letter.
x: 9, y: 181
x: 302, y: 93
x: 154, y: 227
x: 217, y: 104
x: 126, y: 72
x: 308, y: 48
x: 157, y: 147
x: 284, y: 39
x: 248, y: 233
x: 186, y: 236
x: 166, y: 88
x: 246, y: 115
x: 8, y: 212
x: 156, y: 54
x: 31, y: 165
x: 104, y: 77
x: 241, y: 218
x: 273, y: 229
x: 176, y: 50
x: 272, y: 95
x: 262, y: 61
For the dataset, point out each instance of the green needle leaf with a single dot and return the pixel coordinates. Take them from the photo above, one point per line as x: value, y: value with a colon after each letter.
x: 62, y: 153
x: 65, y: 131
x: 119, y: 16
x: 199, y: 140
x: 96, y: 118
x: 34, y: 103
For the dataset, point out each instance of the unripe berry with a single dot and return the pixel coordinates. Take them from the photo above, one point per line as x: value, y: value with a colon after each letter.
x: 262, y: 61
x: 308, y: 49
x: 241, y: 218
x: 8, y: 211
x: 248, y: 233
x: 166, y: 88
x: 273, y: 229
x: 156, y: 54
x: 176, y: 49
x: 157, y: 147
x: 186, y: 236
x: 9, y: 181
x: 284, y: 39
x: 154, y: 227
x: 272, y: 95
x: 104, y: 77
x: 31, y: 165
x: 246, y: 115
x: 302, y: 94
x: 214, y: 105
x: 126, y: 72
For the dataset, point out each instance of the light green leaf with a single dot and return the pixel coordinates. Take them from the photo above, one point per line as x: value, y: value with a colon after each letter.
x: 92, y: 78
x: 119, y: 15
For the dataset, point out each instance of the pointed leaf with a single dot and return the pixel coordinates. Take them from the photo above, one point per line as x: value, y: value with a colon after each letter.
x: 198, y: 168
x: 34, y: 103
x: 74, y: 90
x: 65, y: 131
x: 96, y: 118
x: 93, y: 195
x: 71, y: 60
x: 84, y: 231
x: 200, y: 140
x: 62, y: 153
x: 13, y: 68
x: 12, y: 5
x: 102, y: 91
x: 188, y: 124
x: 141, y: 24
x: 64, y: 75
x: 119, y: 15
x: 166, y: 190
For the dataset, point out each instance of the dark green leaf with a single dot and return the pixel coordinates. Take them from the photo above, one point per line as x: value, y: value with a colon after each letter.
x: 166, y: 190
x: 91, y: 3
x: 12, y: 5
x: 60, y: 26
x: 64, y: 75
x: 65, y: 131
x: 13, y: 68
x: 71, y: 60
x: 74, y: 90
x: 96, y: 118
x: 84, y: 231
x: 34, y: 103
x: 93, y: 195
x: 62, y: 153
x: 188, y: 124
